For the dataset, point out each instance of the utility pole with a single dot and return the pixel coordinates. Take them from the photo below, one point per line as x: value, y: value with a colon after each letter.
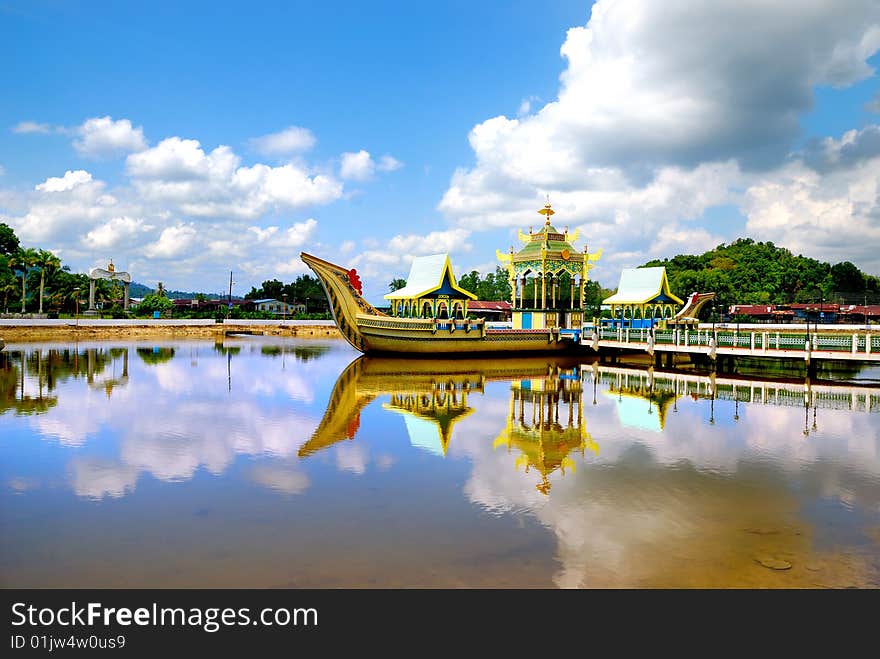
x: 229, y: 304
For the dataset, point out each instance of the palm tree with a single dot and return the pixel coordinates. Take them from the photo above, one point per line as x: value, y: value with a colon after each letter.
x: 46, y: 260
x: 7, y: 289
x: 23, y: 259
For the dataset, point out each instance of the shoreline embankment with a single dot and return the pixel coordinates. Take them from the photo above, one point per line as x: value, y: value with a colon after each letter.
x: 34, y: 330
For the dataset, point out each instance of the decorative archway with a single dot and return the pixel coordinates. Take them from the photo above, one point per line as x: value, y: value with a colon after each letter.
x: 442, y: 310
x: 110, y: 273
x: 426, y: 310
x: 457, y: 311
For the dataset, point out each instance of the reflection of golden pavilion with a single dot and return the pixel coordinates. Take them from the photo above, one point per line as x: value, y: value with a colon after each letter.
x: 430, y: 414
x: 546, y: 423
x: 431, y: 395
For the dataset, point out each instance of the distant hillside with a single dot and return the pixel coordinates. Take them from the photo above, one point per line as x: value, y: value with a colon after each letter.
x: 140, y: 290
x: 747, y: 272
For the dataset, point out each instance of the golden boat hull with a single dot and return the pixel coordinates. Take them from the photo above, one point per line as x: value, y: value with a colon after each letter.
x: 369, y: 330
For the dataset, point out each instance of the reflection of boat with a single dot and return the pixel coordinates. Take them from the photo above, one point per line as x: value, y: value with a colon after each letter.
x: 430, y: 394
x: 369, y: 330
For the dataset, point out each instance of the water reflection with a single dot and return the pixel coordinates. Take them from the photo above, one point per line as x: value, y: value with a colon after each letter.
x: 289, y: 452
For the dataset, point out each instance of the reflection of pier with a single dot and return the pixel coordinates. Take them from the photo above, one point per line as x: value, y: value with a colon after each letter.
x: 827, y: 395
x: 534, y: 427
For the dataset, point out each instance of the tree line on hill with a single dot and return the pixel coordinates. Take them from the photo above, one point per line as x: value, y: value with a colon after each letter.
x: 749, y: 272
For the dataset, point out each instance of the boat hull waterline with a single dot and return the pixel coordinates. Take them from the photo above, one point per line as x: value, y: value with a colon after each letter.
x: 370, y: 331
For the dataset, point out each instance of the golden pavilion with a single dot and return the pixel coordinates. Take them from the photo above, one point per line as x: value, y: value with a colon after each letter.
x: 544, y: 275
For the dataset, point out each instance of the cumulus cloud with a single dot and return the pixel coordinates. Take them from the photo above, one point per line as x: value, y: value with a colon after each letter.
x: 664, y: 111
x: 402, y: 248
x: 388, y: 164
x: 357, y: 166
x: 173, y: 242
x: 178, y: 172
x: 31, y: 127
x: 70, y: 180
x: 115, y: 232
x: 103, y: 137
x: 292, y: 139
x: 360, y: 166
x: 834, y: 215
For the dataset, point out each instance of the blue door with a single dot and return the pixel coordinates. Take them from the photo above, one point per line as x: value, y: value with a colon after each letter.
x: 527, y: 320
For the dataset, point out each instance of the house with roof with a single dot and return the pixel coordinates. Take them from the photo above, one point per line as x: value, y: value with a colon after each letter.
x: 643, y: 297
x: 277, y: 307
x: 431, y: 291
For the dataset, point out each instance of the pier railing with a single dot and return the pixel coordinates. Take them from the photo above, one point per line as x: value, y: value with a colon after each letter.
x: 851, y: 344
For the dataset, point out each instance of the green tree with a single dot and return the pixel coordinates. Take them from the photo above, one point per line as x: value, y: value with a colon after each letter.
x: 23, y: 259
x: 396, y: 284
x: 45, y: 260
x: 8, y: 240
x: 470, y: 281
x: 154, y: 302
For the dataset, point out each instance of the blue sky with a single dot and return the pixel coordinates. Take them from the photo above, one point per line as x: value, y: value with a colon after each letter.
x: 422, y: 127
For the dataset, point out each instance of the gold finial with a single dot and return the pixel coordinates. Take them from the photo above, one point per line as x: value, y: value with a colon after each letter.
x: 111, y: 267
x: 547, y: 211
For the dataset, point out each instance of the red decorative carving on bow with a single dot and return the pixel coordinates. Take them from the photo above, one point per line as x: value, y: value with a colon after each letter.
x: 355, y: 281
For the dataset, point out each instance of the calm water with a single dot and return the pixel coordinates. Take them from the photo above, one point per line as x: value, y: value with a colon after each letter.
x: 269, y: 463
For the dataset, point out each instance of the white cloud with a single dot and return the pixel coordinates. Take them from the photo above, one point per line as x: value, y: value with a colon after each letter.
x: 102, y: 137
x: 179, y: 173
x: 874, y: 104
x: 357, y: 166
x: 2, y: 170
x: 70, y: 180
x: 388, y: 164
x: 833, y: 216
x: 360, y: 166
x: 525, y: 106
x: 31, y: 127
x: 292, y: 139
x: 173, y: 242
x: 664, y: 111
x: 117, y: 231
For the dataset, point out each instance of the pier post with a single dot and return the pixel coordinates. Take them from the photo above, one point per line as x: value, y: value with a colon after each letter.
x: 855, y: 343
x: 868, y: 343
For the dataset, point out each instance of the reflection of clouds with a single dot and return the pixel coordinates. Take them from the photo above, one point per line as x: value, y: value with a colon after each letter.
x: 384, y: 461
x: 352, y: 457
x: 19, y: 484
x: 175, y: 417
x: 282, y: 479
x: 96, y: 478
x: 679, y: 502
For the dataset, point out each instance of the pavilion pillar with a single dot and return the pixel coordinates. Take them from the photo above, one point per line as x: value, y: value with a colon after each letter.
x: 543, y: 291
x: 125, y: 302
x: 572, y: 291
x: 91, y: 295
x: 534, y: 292
x: 522, y: 294
x: 553, y: 292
